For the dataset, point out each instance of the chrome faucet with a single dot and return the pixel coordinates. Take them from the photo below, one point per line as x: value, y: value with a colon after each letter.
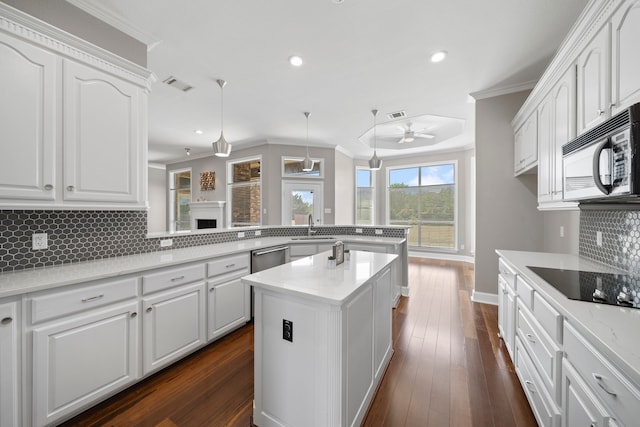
x: 310, y: 225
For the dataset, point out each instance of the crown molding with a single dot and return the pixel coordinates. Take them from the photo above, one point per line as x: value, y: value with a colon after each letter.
x: 503, y: 90
x: 45, y: 35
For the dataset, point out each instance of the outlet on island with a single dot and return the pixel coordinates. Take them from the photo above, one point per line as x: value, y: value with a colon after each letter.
x: 287, y: 330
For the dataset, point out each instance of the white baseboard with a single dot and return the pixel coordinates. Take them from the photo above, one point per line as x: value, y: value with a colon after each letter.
x: 484, y: 297
x: 437, y: 255
x: 404, y: 290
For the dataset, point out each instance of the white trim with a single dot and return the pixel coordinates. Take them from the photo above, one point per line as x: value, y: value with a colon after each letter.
x: 484, y: 297
x: 40, y: 33
x: 171, y: 197
x: 117, y: 21
x: 156, y: 166
x: 443, y: 255
x: 302, y: 175
x: 405, y: 291
x: 503, y: 90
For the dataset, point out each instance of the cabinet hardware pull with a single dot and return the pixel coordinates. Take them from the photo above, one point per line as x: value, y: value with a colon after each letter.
x: 600, y: 380
x: 149, y: 309
x: 613, y: 104
x: 529, y: 384
x: 229, y: 265
x: 177, y: 278
x: 212, y: 289
x: 6, y: 320
x: 600, y: 112
x: 134, y: 315
x: 71, y: 188
x: 531, y: 338
x: 48, y: 187
x: 93, y: 298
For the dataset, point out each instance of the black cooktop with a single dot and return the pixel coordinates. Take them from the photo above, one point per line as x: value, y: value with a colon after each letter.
x: 604, y: 288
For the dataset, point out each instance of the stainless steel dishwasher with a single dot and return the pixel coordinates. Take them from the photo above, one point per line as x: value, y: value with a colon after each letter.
x: 263, y: 259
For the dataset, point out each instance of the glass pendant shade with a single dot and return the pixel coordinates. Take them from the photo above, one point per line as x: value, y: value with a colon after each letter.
x: 374, y: 162
x: 307, y: 163
x: 221, y: 147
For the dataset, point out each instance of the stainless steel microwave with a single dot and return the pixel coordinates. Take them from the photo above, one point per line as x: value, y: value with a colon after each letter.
x: 603, y: 164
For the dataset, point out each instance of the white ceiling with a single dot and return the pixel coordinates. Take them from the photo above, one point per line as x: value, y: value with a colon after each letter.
x: 358, y: 55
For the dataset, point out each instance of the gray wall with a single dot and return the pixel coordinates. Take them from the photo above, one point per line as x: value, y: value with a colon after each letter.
x: 157, y: 214
x: 65, y: 16
x: 506, y: 207
x: 345, y: 193
x: 570, y: 221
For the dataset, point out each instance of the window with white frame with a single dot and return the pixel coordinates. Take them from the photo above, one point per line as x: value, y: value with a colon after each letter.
x: 292, y: 168
x: 365, y: 196
x: 244, y: 182
x: 424, y: 198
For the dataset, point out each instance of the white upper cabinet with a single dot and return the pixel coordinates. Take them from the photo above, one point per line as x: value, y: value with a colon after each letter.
x: 593, y: 81
x: 27, y: 120
x: 73, y: 121
x: 545, y: 150
x: 101, y: 136
x: 625, y: 87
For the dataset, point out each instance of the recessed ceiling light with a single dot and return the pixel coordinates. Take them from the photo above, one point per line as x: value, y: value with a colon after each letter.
x: 198, y: 131
x: 438, y: 56
x: 188, y: 150
x: 337, y: 1
x: 295, y: 60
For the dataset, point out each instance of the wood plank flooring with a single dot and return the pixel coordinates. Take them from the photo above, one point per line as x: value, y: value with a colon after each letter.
x: 449, y: 369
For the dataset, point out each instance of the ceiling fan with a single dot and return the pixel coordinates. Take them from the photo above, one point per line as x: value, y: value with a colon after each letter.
x: 408, y: 134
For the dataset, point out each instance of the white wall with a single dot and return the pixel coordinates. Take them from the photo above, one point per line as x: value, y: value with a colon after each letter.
x: 570, y: 222
x: 506, y: 207
x: 345, y: 193
x: 157, y: 213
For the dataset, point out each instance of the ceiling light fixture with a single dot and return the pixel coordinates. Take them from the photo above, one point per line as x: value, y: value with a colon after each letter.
x: 197, y: 132
x: 374, y: 162
x: 188, y: 151
x: 295, y: 60
x: 307, y: 163
x: 438, y: 56
x: 221, y: 147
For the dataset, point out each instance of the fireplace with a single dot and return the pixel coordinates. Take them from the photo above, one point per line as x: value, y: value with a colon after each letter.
x: 207, y: 215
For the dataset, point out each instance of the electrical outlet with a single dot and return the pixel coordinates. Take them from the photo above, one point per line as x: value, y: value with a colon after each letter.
x: 39, y: 241
x: 358, y: 230
x: 287, y: 330
x: 378, y: 231
x: 562, y: 231
x: 599, y: 238
x: 258, y: 232
x: 240, y: 234
x: 165, y: 243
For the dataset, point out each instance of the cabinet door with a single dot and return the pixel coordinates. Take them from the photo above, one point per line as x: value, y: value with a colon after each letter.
x: 27, y: 119
x: 173, y: 325
x: 502, y: 308
x: 381, y: 323
x: 526, y: 145
x: 102, y: 139
x: 625, y: 61
x: 579, y: 406
x: 9, y: 369
x: 229, y: 307
x: 545, y: 144
x: 564, y: 125
x: 81, y: 359
x: 594, y: 81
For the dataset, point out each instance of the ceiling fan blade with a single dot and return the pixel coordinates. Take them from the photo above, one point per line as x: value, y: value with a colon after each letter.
x: 424, y: 135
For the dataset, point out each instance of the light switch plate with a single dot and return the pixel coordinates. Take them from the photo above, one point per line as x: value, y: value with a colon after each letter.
x: 165, y: 243
x: 39, y: 241
x: 258, y: 232
x: 358, y: 230
x: 240, y: 234
x: 378, y: 231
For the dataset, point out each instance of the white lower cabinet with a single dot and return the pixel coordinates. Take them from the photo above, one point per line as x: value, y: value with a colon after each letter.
x: 9, y: 364
x: 82, y: 358
x: 579, y: 406
x: 229, y: 307
x: 173, y: 325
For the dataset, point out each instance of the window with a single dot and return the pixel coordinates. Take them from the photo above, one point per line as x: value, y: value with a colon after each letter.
x: 179, y: 199
x: 365, y: 196
x: 292, y: 168
x: 424, y: 197
x: 245, y: 198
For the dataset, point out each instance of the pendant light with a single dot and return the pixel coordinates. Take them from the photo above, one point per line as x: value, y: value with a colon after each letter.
x: 221, y: 147
x: 374, y: 162
x: 307, y: 163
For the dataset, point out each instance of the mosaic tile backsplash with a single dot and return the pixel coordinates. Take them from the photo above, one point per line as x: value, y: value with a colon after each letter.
x: 75, y: 236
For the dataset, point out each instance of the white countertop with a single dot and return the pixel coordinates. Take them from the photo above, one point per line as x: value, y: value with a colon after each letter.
x: 311, y: 277
x: 21, y: 282
x: 614, y: 329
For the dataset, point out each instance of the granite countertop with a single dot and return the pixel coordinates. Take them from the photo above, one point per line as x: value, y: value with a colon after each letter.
x: 612, y: 329
x: 313, y: 279
x: 21, y: 282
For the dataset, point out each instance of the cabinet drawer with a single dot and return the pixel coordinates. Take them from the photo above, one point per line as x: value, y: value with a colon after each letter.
x: 54, y: 304
x: 507, y: 273
x: 227, y: 264
x: 542, y: 350
x: 165, y: 279
x: 611, y: 387
x: 546, y: 412
x: 548, y: 317
x: 525, y: 292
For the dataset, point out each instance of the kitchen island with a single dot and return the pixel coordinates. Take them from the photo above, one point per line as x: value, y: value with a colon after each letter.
x: 322, y: 339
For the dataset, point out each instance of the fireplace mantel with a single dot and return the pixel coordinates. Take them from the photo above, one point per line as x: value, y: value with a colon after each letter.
x: 207, y: 210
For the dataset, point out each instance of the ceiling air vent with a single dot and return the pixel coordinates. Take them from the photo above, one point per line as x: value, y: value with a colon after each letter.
x: 396, y: 115
x: 178, y: 84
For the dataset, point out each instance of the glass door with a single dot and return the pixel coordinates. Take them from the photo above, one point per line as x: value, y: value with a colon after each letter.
x: 299, y: 200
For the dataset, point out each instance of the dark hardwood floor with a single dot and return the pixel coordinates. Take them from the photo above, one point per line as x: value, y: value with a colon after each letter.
x: 449, y: 369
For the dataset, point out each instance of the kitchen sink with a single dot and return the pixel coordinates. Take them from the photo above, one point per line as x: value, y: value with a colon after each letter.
x: 314, y: 238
